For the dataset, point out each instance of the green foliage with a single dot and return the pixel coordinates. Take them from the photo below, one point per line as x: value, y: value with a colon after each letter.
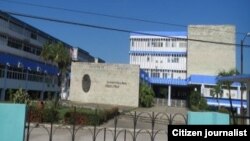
x: 57, y: 53
x: 50, y: 115
x: 217, y: 93
x: 197, y: 102
x: 35, y: 114
x: 163, y: 92
x: 223, y: 110
x: 228, y: 86
x: 81, y: 116
x: 146, y: 95
x: 20, y: 96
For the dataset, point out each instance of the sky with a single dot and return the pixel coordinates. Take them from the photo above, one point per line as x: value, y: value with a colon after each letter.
x: 113, y: 46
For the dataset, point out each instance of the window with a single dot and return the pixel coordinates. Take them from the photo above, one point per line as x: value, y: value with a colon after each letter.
x: 167, y: 42
x: 15, y: 27
x: 132, y: 43
x: 155, y: 74
x: 175, y: 60
x: 148, y: 59
x: 38, y: 51
x: 14, y: 43
x: 165, y: 75
x: 168, y: 59
x: 173, y: 42
x: 3, y: 39
x: 41, y: 39
x: 182, y: 43
x: 33, y: 35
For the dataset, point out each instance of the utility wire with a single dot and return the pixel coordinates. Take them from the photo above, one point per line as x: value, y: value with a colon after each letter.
x: 113, y: 29
x: 110, y: 16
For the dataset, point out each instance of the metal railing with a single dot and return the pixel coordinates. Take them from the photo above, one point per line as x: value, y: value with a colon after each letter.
x: 126, y: 126
x: 174, y: 102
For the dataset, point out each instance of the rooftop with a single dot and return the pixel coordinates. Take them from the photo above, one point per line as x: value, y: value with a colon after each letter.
x: 158, y: 33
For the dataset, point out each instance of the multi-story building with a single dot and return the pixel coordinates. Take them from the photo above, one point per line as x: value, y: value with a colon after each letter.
x: 20, y: 63
x: 179, y: 62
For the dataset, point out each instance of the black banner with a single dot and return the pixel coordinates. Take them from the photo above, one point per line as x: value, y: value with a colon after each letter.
x: 208, y: 132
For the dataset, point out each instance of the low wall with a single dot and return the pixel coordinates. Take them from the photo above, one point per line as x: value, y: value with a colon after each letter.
x: 208, y: 118
x: 12, y: 122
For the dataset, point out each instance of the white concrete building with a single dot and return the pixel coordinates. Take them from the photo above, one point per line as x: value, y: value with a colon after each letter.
x: 178, y: 63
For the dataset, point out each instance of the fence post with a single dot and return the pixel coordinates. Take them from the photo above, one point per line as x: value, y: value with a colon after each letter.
x: 153, y: 126
x: 125, y: 134
x: 115, y: 123
x: 135, y: 124
x: 94, y: 137
x: 51, y: 123
x: 74, y: 124
x: 104, y: 135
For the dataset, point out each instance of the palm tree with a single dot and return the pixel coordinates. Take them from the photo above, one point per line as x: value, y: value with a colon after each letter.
x: 58, y: 54
x: 228, y: 86
x: 217, y: 93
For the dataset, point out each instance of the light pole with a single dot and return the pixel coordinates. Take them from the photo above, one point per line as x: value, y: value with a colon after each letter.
x: 241, y: 69
x: 241, y: 51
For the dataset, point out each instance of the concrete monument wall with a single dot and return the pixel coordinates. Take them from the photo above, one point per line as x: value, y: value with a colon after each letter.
x: 113, y: 84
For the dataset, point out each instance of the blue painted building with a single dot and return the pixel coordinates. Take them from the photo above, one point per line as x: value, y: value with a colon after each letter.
x: 20, y: 63
x: 175, y: 66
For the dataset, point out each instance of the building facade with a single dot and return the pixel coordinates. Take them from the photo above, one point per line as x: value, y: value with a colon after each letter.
x: 180, y: 62
x: 21, y: 65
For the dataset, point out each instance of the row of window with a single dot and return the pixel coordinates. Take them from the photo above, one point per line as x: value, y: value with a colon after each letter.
x: 161, y: 55
x: 21, y: 74
x: 155, y: 73
x: 22, y: 45
x: 24, y: 30
x: 167, y: 75
x: 170, y: 59
x: 165, y: 71
x: 182, y: 43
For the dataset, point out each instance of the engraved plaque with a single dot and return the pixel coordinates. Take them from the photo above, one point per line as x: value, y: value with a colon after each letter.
x: 86, y: 83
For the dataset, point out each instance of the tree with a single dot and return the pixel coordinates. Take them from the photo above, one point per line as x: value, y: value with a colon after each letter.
x: 146, y: 95
x: 228, y: 84
x: 20, y: 96
x: 197, y: 102
x: 58, y: 54
x: 217, y: 93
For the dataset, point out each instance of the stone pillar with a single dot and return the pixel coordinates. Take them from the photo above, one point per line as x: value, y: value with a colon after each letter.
x: 238, y: 110
x: 238, y: 92
x: 202, y: 89
x: 169, y: 95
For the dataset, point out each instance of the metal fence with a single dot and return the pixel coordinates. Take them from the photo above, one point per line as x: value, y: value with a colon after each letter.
x: 129, y: 126
x: 174, y: 102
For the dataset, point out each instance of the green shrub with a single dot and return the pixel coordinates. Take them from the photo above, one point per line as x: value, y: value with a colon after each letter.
x: 50, y: 115
x: 146, y: 95
x: 20, y: 96
x: 197, y: 102
x: 34, y: 114
x: 77, y: 118
x: 223, y: 110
